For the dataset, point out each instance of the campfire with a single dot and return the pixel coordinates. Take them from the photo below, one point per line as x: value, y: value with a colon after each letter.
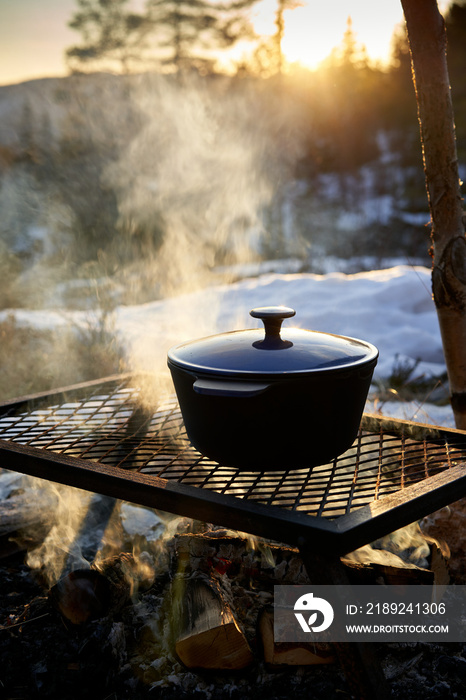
x: 168, y: 605
x: 104, y: 593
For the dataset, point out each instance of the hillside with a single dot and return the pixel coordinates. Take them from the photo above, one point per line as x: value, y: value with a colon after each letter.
x: 227, y: 168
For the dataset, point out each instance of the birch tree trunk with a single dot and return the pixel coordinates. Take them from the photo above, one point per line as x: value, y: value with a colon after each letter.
x: 427, y: 43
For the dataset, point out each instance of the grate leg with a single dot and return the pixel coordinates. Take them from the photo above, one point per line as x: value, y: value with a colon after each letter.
x: 358, y: 660
x: 88, y: 539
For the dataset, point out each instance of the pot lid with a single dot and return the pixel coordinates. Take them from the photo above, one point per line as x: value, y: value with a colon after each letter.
x: 275, y: 351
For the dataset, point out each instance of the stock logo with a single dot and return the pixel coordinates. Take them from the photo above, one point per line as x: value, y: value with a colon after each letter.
x: 308, y: 604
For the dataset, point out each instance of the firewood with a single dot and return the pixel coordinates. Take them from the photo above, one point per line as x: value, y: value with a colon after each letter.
x: 278, y: 654
x: 126, y: 575
x: 242, y: 566
x: 386, y: 568
x: 208, y: 635
x: 238, y: 557
x: 269, y: 563
x: 80, y: 596
x: 88, y: 594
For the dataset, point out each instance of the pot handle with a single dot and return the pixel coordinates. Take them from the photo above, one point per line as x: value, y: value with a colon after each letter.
x: 223, y: 387
x: 272, y: 317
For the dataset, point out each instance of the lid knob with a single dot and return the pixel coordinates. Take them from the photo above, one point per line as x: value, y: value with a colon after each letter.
x: 272, y: 317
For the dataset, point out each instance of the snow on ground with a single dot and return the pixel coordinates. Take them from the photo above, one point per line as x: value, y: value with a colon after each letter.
x: 391, y: 308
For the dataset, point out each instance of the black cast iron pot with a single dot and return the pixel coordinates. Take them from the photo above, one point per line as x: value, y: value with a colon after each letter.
x: 259, y: 403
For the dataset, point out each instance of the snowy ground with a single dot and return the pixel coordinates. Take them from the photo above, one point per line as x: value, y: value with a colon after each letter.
x: 391, y: 308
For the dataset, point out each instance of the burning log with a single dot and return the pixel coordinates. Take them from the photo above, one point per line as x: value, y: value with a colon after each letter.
x: 88, y: 594
x: 223, y: 572
x: 209, y: 636
x: 370, y: 566
x: 81, y: 596
x: 272, y: 564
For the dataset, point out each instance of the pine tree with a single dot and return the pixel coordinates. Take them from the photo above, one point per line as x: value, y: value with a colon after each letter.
x: 180, y: 25
x: 174, y: 33
x: 189, y: 32
x: 112, y: 35
x: 347, y: 113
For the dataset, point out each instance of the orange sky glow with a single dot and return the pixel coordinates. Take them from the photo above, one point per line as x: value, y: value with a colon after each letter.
x: 34, y: 35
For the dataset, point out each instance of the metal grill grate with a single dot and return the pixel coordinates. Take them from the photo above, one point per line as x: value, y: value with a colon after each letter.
x: 113, y: 427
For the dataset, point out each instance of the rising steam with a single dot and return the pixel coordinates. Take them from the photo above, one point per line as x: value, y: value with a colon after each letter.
x: 200, y: 166
x: 196, y: 175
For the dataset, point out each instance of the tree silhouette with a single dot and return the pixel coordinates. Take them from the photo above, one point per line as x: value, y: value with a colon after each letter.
x: 172, y: 33
x: 346, y: 112
x: 189, y: 32
x: 282, y: 5
x: 112, y: 35
x: 180, y: 25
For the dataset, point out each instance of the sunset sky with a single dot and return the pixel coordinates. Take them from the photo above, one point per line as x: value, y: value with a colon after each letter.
x: 34, y: 33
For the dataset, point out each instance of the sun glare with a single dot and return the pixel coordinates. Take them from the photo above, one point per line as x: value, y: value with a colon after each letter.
x: 313, y: 29
x: 309, y: 42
